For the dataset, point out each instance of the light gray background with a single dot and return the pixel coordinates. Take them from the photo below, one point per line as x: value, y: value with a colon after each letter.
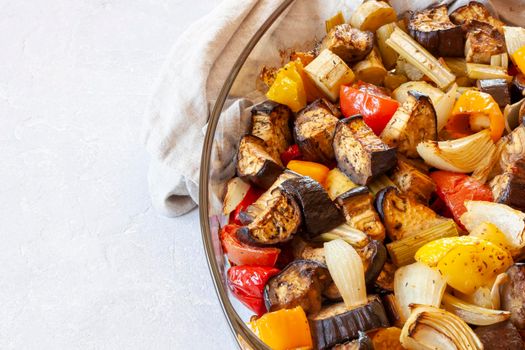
x: 85, y: 263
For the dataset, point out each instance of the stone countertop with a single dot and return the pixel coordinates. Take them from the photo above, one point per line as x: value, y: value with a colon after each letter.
x: 85, y: 261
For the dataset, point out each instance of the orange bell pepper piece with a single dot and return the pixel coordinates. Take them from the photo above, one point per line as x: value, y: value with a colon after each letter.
x: 316, y: 171
x: 285, y: 329
x: 519, y: 59
x: 473, y: 112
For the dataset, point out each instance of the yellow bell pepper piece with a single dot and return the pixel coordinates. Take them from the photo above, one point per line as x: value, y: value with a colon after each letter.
x: 466, y: 262
x: 473, y: 112
x: 316, y: 171
x: 491, y: 233
x: 288, y: 87
x: 519, y: 59
x: 285, y: 329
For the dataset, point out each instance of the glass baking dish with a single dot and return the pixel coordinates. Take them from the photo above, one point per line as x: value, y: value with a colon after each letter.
x: 219, y: 145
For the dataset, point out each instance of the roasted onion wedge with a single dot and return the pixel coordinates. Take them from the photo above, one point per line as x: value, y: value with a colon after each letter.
x: 473, y: 314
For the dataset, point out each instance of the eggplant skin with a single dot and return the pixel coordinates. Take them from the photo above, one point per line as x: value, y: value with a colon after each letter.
x: 361, y: 343
x: 255, y: 164
x: 335, y: 324
x: 513, y: 295
x: 301, y: 283
x: 271, y: 123
x: 497, y: 88
x: 375, y: 255
x: 351, y: 44
x: 360, y: 154
x: 275, y: 224
x: 358, y: 208
x: 433, y: 29
x: 320, y: 214
x: 314, y: 130
x: 500, y: 336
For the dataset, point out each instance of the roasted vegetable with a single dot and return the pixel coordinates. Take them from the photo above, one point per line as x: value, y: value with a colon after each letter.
x: 513, y: 295
x: 380, y: 183
x: 415, y: 121
x: 388, y: 55
x: 394, y: 80
x: 288, y: 87
x: 255, y: 164
x: 270, y: 122
x: 483, y: 41
x: 432, y: 328
x: 475, y: 11
x: 387, y: 339
x: 334, y: 21
x: 236, y: 190
x: 401, y: 94
x: 371, y: 15
x: 412, y: 182
x: 360, y: 154
x: 328, y: 71
x: 350, y: 44
x: 361, y: 343
x: 500, y: 336
x: 338, y: 183
x: 314, y: 131
x: 518, y: 87
x: 501, y: 60
x: 276, y: 223
x: 316, y: 171
x: 403, y: 216
x: 371, y: 69
x: 356, y: 238
x: 358, y: 208
x: 435, y: 32
x: 301, y: 283
x: 497, y: 88
x: 473, y: 314
x: 320, y: 214
x: 384, y: 282
x: 335, y: 324
x: 519, y: 58
x: 485, y: 71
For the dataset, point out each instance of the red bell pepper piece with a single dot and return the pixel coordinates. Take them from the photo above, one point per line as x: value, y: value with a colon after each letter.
x: 291, y: 153
x: 376, y: 107
x: 247, y: 284
x: 249, y: 198
x: 454, y: 189
x: 240, y: 253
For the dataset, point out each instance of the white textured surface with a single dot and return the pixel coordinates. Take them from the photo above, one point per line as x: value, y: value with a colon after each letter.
x: 84, y: 261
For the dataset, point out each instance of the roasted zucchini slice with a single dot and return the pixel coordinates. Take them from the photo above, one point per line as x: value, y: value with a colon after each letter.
x: 351, y: 44
x: 513, y: 295
x: 301, y: 283
x: 360, y: 154
x: 335, y: 324
x: 319, y: 213
x: 413, y: 182
x: 271, y: 123
x: 483, y: 41
x: 255, y: 164
x: 435, y: 32
x: 403, y: 216
x: 414, y: 122
x: 497, y: 88
x: 358, y: 208
x: 475, y: 11
x: 276, y: 223
x: 500, y: 336
x: 314, y: 131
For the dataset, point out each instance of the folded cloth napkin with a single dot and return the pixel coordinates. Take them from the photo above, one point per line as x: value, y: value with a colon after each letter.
x: 195, y: 71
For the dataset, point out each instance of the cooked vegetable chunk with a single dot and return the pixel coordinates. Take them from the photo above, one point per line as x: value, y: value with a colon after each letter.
x: 358, y: 208
x: 483, y: 41
x: 351, y: 44
x: 513, y: 295
x: 361, y: 343
x: 402, y: 215
x: 276, y: 223
x: 360, y: 154
x: 372, y: 14
x: 270, y: 122
x: 413, y: 182
x: 414, y: 122
x: 314, y: 131
x: 337, y: 183
x: 497, y: 88
x: 475, y: 11
x: 434, y: 31
x: 500, y: 336
x: 301, y: 283
x: 319, y: 213
x: 371, y: 69
x: 255, y: 164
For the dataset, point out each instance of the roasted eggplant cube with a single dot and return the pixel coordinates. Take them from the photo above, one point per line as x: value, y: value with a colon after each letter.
x: 513, y: 295
x: 497, y: 88
x: 335, y: 324
x: 275, y: 224
x: 351, y: 44
x: 314, y: 131
x: 475, y: 11
x: 320, y: 214
x: 255, y: 164
x: 360, y: 154
x: 402, y: 215
x: 433, y: 29
x: 500, y: 336
x: 358, y: 208
x: 271, y: 123
x: 509, y: 187
x: 361, y: 343
x: 414, y: 122
x: 483, y: 41
x: 374, y: 256
x: 413, y: 182
x: 301, y: 283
